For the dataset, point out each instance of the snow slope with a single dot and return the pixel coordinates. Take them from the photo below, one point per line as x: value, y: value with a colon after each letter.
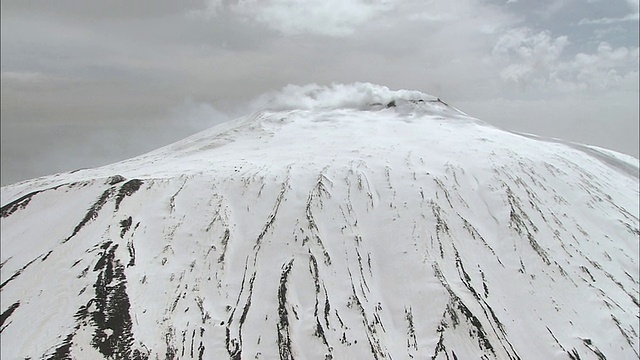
x: 343, y: 222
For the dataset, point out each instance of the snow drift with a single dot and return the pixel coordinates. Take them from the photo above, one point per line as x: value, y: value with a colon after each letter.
x: 338, y: 222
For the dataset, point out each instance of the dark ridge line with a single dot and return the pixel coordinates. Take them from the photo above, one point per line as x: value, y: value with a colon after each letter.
x: 364, y: 281
x: 184, y: 336
x: 24, y: 200
x: 586, y: 270
x: 630, y: 228
x: 573, y: 354
x: 244, y: 275
x: 234, y: 346
x: 173, y: 306
x: 467, y: 283
x: 124, y: 226
x: 18, y: 204
x: 63, y: 351
x: 11, y: 257
x: 314, y: 231
x: 284, y: 339
x: 319, y: 331
x: 193, y: 335
x: 466, y: 280
x: 556, y: 340
x: 313, y: 269
x: 610, y: 277
x: 376, y: 317
x: 630, y: 217
x: 205, y: 315
x: 446, y: 192
x: 412, y: 341
x: 132, y: 253
x: 455, y: 300
x: 516, y: 217
x: 172, y: 204
x: 474, y: 232
x: 247, y: 305
x: 339, y: 319
x: 369, y: 192
x: 316, y: 193
x: 224, y: 241
x: 171, y: 353
x: 625, y: 335
x: 46, y: 255
x: 485, y: 288
x: 201, y: 346
x: 327, y: 306
x: 533, y: 200
x: 516, y: 222
x: 594, y: 349
x: 18, y: 272
x: 92, y: 213
x: 112, y: 303
x: 440, y: 344
x: 127, y: 189
x: 597, y: 266
x: 272, y: 216
x: 370, y: 330
x: 475, y: 322
x: 5, y: 314
x: 441, y: 225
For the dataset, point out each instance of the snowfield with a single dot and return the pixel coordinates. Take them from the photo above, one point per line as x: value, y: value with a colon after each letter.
x: 342, y: 222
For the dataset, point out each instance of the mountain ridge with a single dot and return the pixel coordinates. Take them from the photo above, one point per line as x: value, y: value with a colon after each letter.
x: 371, y: 230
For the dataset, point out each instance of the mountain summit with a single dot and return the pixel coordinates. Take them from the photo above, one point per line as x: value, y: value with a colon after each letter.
x: 338, y: 222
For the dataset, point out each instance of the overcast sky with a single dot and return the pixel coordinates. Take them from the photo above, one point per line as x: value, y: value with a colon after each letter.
x: 87, y: 83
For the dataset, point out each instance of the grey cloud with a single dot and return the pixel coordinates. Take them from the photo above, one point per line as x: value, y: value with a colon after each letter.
x: 607, y: 20
x: 90, y: 11
x: 328, y: 17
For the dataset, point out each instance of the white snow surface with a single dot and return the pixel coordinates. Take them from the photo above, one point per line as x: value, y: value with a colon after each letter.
x: 343, y: 222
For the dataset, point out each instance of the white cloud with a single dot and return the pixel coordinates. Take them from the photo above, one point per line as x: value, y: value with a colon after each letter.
x: 292, y: 17
x: 605, y: 68
x: 23, y: 76
x: 633, y: 15
x: 536, y: 60
x: 608, y: 20
x: 531, y: 57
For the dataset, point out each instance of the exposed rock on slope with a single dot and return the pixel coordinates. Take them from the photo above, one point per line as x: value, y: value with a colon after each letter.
x: 375, y: 225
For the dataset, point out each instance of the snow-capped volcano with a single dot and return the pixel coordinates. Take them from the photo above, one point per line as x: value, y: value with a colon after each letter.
x: 344, y: 222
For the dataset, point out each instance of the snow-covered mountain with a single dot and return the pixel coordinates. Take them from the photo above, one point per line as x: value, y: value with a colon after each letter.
x: 343, y: 222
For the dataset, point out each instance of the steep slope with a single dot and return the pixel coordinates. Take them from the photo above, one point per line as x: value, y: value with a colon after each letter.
x: 338, y: 223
